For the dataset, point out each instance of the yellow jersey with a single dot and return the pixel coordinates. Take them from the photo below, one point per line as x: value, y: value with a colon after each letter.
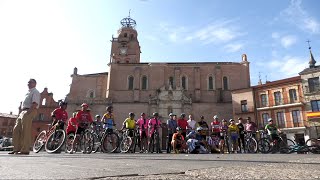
x: 233, y: 128
x: 130, y: 123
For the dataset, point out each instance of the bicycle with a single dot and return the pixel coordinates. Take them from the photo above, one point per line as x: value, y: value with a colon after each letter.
x: 127, y: 141
x: 110, y: 141
x: 250, y: 144
x: 155, y: 141
x: 313, y: 145
x: 263, y: 143
x: 52, y: 139
x: 276, y: 145
x: 85, y: 141
x: 137, y: 140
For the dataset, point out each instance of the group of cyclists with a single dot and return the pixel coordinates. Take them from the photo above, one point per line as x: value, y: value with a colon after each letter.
x: 183, y: 135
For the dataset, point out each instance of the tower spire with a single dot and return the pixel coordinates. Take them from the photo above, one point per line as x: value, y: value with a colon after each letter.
x: 312, y: 62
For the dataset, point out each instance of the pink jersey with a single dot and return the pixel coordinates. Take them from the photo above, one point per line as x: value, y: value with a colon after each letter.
x: 143, y: 124
x: 152, y: 124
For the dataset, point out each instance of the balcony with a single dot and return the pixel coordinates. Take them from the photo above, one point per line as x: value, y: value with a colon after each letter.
x: 285, y: 102
x: 239, y: 110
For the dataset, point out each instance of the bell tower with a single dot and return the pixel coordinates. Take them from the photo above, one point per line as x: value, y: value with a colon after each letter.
x: 125, y: 47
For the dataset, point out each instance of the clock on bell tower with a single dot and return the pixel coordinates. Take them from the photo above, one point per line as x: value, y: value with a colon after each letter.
x: 125, y: 47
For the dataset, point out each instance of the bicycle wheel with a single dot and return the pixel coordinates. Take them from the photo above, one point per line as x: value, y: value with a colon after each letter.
x: 55, y: 141
x: 87, y: 142
x: 69, y: 141
x: 39, y: 142
x: 264, y: 146
x: 97, y: 143
x: 110, y: 142
x: 286, y: 146
x: 125, y: 144
x: 313, y: 145
x: 251, y: 145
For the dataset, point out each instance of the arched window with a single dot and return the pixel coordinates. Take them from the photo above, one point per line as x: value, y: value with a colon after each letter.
x: 184, y: 83
x: 211, y: 85
x: 44, y: 101
x: 144, y: 83
x: 130, y: 82
x: 171, y: 81
x: 91, y: 93
x: 225, y: 83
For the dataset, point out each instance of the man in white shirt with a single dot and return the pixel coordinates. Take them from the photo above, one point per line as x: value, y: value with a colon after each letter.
x: 191, y: 123
x: 22, y: 130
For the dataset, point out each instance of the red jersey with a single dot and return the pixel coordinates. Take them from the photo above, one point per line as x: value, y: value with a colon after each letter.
x: 60, y: 114
x: 183, y: 124
x: 84, y: 117
x: 72, y: 122
x: 215, y: 126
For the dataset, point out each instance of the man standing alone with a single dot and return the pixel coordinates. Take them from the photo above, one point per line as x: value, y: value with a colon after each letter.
x: 22, y: 130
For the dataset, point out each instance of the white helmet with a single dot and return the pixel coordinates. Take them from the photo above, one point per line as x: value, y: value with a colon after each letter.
x: 215, y: 117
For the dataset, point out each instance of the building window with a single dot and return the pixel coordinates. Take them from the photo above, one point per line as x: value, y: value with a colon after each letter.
x: 264, y: 101
x: 313, y: 84
x: 184, y: 82
x: 144, y: 83
x: 41, y: 117
x: 315, y: 105
x: 44, y: 101
x: 171, y: 81
x: 244, y: 107
x: 130, y: 82
x: 125, y: 34
x: 265, y: 117
x: 280, y: 119
x: 296, y: 118
x: 293, y: 95
x: 225, y: 83
x: 90, y: 93
x: 210, y: 83
x: 277, y: 98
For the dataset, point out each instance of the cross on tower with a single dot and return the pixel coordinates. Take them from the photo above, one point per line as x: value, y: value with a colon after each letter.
x: 309, y: 43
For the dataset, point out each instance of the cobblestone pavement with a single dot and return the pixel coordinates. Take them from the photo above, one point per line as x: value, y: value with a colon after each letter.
x: 159, y: 166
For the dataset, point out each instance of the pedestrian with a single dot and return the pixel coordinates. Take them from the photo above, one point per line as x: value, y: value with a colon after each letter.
x: 21, y: 139
x: 172, y: 126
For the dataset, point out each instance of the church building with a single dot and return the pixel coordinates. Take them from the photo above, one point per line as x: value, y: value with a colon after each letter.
x: 198, y: 88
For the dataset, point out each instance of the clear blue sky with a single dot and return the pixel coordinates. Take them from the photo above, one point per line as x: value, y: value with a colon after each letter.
x: 47, y: 39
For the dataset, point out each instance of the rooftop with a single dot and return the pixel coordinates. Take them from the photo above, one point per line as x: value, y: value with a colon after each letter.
x: 8, y: 115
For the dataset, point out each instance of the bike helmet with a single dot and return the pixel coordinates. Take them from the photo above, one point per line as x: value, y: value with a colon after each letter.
x: 179, y: 129
x: 61, y: 103
x: 109, y: 108
x: 223, y: 120
x: 131, y: 114
x: 183, y: 115
x: 155, y: 114
x: 231, y: 120
x: 84, y: 105
x: 201, y: 117
x: 199, y: 128
x: 143, y: 114
x: 215, y: 117
x: 98, y: 116
x: 270, y: 119
x: 171, y: 114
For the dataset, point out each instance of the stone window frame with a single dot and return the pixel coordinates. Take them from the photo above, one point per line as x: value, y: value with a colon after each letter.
x: 147, y: 83
x: 186, y: 81
x: 213, y: 82
x: 89, y: 93
x: 44, y: 102
x: 301, y: 114
x: 173, y: 81
x: 267, y: 95
x: 228, y: 83
x: 296, y: 87
x: 281, y: 95
x: 128, y: 82
x: 261, y: 116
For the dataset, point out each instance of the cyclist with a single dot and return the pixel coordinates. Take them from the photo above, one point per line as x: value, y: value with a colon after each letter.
x: 60, y: 115
x: 154, y: 124
x: 204, y: 125
x: 192, y: 124
x: 272, y: 130
x: 72, y: 123
x: 84, y: 119
x: 183, y: 124
x: 223, y: 133
x: 97, y: 124
x: 241, y: 134
x: 196, y: 143
x: 143, y: 126
x: 129, y: 124
x: 215, y: 125
x: 233, y: 131
x: 251, y: 127
x: 108, y: 119
x: 178, y: 143
x: 172, y: 126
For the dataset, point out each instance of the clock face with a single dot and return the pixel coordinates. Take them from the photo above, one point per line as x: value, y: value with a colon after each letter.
x: 123, y: 51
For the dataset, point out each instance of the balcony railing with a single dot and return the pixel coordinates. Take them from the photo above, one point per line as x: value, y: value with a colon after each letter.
x: 248, y: 109
x: 283, y: 101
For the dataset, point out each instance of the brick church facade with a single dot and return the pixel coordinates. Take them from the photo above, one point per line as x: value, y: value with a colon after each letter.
x: 198, y: 88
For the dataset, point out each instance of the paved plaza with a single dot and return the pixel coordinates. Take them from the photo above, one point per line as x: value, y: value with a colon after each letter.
x: 159, y: 166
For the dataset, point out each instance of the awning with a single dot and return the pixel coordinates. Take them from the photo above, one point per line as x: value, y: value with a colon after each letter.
x: 313, y: 115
